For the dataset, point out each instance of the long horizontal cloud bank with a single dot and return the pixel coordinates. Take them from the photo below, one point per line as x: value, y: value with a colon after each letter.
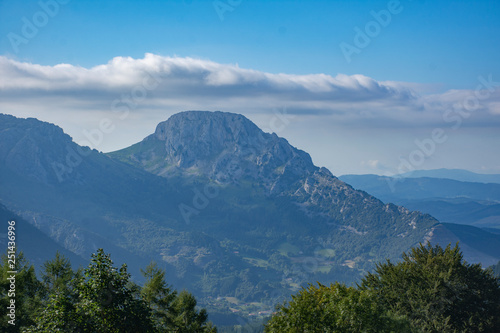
x: 175, y: 84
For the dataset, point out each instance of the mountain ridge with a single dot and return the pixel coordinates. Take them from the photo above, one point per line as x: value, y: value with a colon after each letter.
x: 455, y: 174
x: 270, y: 221
x: 224, y: 147
x: 281, y: 168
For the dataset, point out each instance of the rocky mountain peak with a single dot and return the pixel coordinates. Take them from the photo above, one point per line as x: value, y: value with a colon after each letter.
x: 195, y: 135
x: 222, y: 127
x: 222, y: 146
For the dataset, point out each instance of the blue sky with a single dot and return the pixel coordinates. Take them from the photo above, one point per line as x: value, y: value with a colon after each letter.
x: 448, y: 42
x: 434, y: 48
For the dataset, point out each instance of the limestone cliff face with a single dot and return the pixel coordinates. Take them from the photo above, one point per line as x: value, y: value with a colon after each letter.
x: 224, y: 147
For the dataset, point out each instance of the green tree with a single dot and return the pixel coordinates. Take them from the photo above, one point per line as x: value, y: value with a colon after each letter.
x: 158, y: 296
x: 57, y: 273
x: 103, y: 299
x: 172, y: 311
x: 337, y: 308
x: 186, y: 319
x: 58, y: 313
x: 106, y: 299
x: 438, y: 291
x: 27, y: 293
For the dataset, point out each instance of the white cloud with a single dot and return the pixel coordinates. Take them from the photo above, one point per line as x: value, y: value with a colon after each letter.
x: 195, y: 78
x: 200, y: 82
x: 138, y: 93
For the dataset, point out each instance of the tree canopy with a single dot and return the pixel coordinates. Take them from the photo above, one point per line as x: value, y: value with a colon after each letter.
x: 438, y: 291
x: 101, y: 298
x: 432, y: 289
x: 337, y: 308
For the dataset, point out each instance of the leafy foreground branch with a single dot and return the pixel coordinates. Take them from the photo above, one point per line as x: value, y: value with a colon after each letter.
x: 431, y: 290
x: 100, y: 298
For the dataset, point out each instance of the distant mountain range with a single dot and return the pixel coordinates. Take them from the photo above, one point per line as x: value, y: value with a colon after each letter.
x: 450, y: 201
x: 237, y: 216
x: 455, y: 174
x: 394, y: 189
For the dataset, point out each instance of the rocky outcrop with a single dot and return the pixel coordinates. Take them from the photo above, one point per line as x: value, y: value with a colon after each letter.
x: 225, y: 147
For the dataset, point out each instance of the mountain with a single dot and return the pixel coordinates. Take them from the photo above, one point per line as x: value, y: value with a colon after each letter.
x: 470, y: 212
x: 450, y: 201
x: 393, y: 189
x: 30, y: 240
x: 455, y: 174
x: 476, y: 244
x: 496, y: 269
x: 237, y: 216
x: 223, y: 147
x: 230, y: 151
x: 79, y: 197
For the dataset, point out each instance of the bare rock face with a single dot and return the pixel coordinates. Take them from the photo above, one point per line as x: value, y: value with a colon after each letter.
x: 224, y: 147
